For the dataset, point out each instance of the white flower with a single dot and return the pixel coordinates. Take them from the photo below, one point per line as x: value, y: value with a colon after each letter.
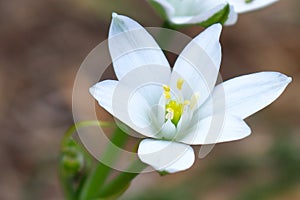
x: 206, y: 12
x: 180, y: 107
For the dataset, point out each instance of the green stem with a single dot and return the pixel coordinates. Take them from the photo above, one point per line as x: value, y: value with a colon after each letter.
x: 66, y: 184
x: 82, y: 124
x: 123, y: 180
x: 98, y: 177
x: 66, y: 180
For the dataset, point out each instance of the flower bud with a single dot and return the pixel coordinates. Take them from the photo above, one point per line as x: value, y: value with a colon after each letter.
x: 72, y: 158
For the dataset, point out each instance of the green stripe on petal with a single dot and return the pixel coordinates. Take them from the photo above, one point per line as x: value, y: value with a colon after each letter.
x: 219, y: 17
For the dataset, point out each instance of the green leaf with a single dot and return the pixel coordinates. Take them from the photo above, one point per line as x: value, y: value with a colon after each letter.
x: 122, y: 181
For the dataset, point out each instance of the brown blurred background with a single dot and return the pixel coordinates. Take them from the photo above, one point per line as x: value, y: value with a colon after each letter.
x: 42, y: 44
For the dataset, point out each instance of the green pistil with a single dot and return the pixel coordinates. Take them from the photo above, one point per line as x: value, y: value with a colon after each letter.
x: 248, y: 1
x: 177, y: 109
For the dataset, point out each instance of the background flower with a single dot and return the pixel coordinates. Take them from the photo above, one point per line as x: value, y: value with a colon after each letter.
x: 205, y: 12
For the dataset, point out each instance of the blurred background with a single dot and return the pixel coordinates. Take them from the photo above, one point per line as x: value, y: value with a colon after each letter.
x: 42, y: 44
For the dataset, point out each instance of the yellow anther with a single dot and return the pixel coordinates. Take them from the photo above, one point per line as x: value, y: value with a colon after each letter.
x: 166, y: 88
x: 186, y: 102
x: 180, y: 82
x: 167, y: 95
x: 167, y: 92
x: 176, y: 107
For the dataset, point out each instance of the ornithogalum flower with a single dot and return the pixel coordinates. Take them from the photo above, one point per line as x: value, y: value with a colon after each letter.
x: 205, y: 12
x: 179, y: 107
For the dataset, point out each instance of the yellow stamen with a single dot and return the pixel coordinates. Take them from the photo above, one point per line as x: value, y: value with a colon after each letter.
x: 194, y: 100
x: 180, y: 82
x: 167, y: 95
x: 186, y: 102
x: 176, y: 107
x: 166, y: 88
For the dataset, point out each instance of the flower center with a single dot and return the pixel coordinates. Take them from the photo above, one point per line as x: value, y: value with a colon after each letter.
x: 176, y: 107
x: 174, y: 110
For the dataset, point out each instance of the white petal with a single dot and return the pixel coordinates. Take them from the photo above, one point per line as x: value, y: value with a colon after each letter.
x: 103, y: 92
x: 138, y: 110
x: 151, y: 92
x: 216, y: 129
x: 209, y: 41
x: 202, y: 16
x: 199, y: 64
x: 157, y: 115
x: 125, y: 104
x: 183, y: 122
x: 133, y: 48
x: 168, y: 130
x: 245, y: 95
x: 194, y: 12
x: 166, y: 155
x: 241, y: 6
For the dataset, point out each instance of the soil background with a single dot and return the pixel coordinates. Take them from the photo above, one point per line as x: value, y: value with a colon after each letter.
x: 42, y: 44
